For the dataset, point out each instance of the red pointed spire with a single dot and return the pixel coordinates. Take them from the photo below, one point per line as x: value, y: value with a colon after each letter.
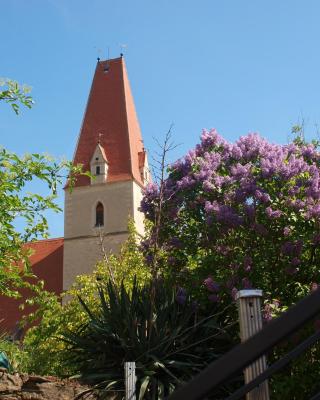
x: 110, y: 119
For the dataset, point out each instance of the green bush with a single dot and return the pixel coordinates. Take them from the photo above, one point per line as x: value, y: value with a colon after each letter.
x: 156, y: 326
x: 18, y: 357
x: 48, y: 354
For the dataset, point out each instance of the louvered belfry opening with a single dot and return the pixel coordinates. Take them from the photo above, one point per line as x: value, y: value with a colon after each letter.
x: 99, y: 215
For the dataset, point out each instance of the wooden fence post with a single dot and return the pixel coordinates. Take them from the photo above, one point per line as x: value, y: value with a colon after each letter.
x: 130, y: 380
x: 250, y: 320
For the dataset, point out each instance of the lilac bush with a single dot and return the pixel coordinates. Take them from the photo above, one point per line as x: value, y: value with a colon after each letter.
x: 241, y: 215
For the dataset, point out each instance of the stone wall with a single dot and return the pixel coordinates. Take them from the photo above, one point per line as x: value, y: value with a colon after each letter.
x: 31, y: 387
x: 82, y: 249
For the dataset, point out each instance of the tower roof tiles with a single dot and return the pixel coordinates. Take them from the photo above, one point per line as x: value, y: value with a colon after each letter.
x: 110, y: 119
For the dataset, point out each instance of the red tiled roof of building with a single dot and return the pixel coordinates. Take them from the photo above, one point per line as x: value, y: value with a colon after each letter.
x: 47, y: 265
x: 47, y: 262
x: 110, y: 118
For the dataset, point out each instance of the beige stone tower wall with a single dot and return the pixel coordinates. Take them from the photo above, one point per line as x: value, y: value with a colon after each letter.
x: 138, y: 216
x: 81, y: 242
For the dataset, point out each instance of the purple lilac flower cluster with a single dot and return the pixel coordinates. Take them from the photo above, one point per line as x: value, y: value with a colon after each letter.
x: 258, y: 200
x: 238, y: 169
x: 270, y: 310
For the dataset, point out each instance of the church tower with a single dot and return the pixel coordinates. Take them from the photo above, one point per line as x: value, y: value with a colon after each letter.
x: 110, y: 147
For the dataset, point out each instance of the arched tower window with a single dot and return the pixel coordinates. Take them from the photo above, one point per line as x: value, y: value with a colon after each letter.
x: 99, y: 215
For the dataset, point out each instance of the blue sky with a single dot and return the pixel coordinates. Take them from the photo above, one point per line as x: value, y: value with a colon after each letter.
x: 236, y: 65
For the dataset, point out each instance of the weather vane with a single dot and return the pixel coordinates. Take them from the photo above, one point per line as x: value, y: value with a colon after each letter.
x: 99, y: 51
x: 122, y: 48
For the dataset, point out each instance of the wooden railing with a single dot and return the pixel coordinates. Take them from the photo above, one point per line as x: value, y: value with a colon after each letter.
x: 241, y: 356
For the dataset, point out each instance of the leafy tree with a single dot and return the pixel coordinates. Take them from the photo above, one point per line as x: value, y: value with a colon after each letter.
x: 17, y: 205
x: 242, y: 215
x: 15, y: 94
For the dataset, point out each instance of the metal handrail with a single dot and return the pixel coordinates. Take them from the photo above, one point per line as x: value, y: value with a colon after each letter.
x: 238, y: 394
x: 244, y: 354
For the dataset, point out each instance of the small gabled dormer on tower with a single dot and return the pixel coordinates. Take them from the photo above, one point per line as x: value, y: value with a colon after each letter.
x: 99, y: 166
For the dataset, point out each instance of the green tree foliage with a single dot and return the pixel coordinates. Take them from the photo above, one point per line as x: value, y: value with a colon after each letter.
x: 15, y: 94
x: 48, y: 353
x: 19, y: 206
x: 15, y: 353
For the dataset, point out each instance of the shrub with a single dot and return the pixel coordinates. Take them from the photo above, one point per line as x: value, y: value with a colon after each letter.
x: 43, y: 341
x: 241, y: 215
x: 156, y: 326
x: 18, y: 358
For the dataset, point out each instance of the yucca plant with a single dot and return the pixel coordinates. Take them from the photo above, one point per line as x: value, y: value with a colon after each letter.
x: 156, y: 326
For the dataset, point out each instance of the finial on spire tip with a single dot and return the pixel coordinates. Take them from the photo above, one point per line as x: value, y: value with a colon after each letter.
x: 99, y: 137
